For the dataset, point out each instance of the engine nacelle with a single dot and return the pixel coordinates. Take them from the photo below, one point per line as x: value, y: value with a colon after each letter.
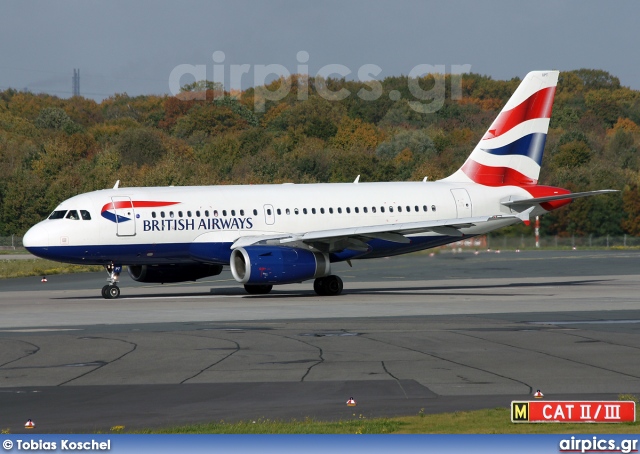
x: 172, y: 273
x: 254, y: 265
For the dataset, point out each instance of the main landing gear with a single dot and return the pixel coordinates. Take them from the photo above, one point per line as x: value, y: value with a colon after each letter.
x: 323, y: 286
x: 111, y: 290
x: 328, y: 286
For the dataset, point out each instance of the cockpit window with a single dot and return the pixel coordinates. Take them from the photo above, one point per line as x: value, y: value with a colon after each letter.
x: 85, y: 215
x: 58, y: 214
x: 73, y: 214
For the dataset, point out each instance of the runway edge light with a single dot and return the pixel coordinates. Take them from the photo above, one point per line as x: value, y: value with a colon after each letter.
x: 538, y: 394
x: 351, y: 402
x: 29, y: 424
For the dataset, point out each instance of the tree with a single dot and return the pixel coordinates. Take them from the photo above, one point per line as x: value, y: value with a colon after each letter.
x: 621, y: 149
x: 631, y: 205
x: 53, y: 118
x: 354, y: 133
x: 418, y: 142
x: 315, y: 117
x: 203, y: 85
x: 596, y: 79
x: 572, y: 154
x: 140, y: 146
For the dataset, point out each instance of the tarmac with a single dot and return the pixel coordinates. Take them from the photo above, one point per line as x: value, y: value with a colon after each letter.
x: 433, y: 333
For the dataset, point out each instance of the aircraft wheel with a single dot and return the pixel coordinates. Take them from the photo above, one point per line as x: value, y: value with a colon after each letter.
x: 105, y: 291
x: 318, y: 286
x: 258, y: 289
x: 333, y: 285
x: 111, y: 292
x: 328, y: 286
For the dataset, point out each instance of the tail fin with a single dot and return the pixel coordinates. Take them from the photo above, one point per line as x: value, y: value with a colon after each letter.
x: 510, y: 153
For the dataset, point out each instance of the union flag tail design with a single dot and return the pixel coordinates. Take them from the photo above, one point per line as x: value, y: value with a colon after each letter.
x: 510, y: 153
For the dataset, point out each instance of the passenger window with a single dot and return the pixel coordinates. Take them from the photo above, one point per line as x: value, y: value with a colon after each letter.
x: 73, y: 214
x: 348, y: 210
x: 58, y: 214
x: 390, y: 209
x: 381, y: 209
x: 206, y: 213
x: 198, y: 213
x: 408, y: 209
x: 433, y: 208
x: 255, y: 212
x: 153, y: 214
x: 373, y: 209
x: 339, y: 210
x: 304, y: 210
x: 399, y: 209
x: 224, y: 213
x: 330, y: 210
x: 278, y: 211
x: 295, y: 210
x: 416, y: 208
x: 162, y: 214
x: 85, y: 215
x: 241, y: 212
x: 188, y: 214
x: 425, y: 208
x: 288, y: 211
x: 365, y: 209
x: 313, y: 211
x: 357, y: 210
x: 170, y: 214
x: 179, y: 214
x: 268, y: 211
x: 233, y: 212
x: 321, y: 210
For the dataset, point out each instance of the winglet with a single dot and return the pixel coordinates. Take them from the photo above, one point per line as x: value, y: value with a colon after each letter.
x: 115, y: 186
x: 357, y: 179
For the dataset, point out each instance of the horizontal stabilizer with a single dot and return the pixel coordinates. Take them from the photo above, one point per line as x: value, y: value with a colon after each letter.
x: 536, y: 200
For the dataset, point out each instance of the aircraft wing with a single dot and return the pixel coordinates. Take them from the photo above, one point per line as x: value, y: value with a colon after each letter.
x: 574, y: 195
x: 355, y: 237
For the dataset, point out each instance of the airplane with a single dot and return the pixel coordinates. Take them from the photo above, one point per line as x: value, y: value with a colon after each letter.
x: 289, y: 233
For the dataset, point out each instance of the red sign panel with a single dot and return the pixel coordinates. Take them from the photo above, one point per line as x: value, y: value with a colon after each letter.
x: 573, y: 411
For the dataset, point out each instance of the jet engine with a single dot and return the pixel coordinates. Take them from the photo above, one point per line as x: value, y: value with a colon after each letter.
x: 264, y: 265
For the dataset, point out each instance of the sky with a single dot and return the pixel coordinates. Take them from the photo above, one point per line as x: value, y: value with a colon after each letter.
x: 136, y: 47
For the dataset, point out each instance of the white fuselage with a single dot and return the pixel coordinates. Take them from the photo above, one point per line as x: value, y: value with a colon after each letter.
x: 200, y: 223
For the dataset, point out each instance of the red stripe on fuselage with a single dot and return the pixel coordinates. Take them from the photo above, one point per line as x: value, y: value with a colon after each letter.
x: 142, y: 204
x: 538, y: 105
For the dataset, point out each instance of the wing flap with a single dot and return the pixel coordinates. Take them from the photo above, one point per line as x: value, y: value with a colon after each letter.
x: 388, y: 232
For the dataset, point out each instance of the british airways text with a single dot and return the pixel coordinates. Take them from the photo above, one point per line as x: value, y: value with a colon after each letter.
x: 162, y: 225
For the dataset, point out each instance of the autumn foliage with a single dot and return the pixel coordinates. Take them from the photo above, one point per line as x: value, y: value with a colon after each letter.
x: 53, y: 148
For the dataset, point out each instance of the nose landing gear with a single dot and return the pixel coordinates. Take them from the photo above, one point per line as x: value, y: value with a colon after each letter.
x: 111, y: 290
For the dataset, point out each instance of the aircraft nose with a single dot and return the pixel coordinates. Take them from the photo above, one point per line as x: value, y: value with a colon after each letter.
x: 36, y: 237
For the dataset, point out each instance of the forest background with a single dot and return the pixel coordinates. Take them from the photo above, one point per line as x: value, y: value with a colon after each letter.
x: 53, y: 148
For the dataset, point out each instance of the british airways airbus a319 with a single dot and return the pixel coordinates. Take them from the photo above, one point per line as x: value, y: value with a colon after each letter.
x: 281, y: 234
